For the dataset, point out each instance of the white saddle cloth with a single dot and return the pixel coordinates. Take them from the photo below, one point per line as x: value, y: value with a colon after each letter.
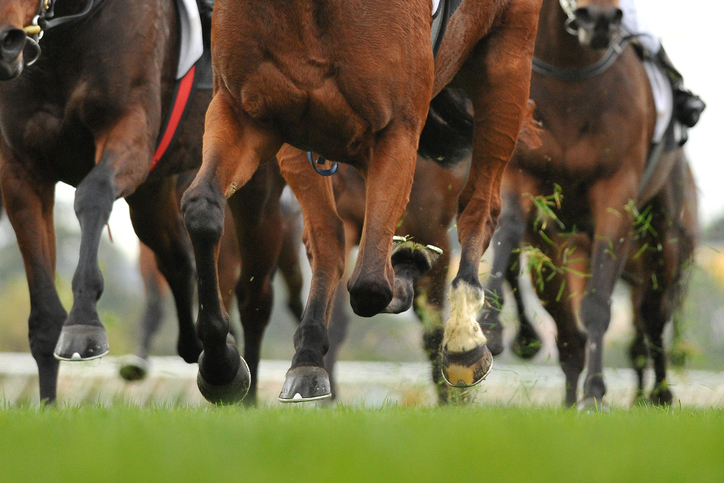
x: 435, y: 6
x: 192, y: 42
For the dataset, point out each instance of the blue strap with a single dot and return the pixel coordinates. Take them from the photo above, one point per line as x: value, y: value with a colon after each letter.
x: 321, y: 160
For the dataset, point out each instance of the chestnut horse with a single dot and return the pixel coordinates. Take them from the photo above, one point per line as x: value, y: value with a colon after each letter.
x: 88, y: 113
x: 352, y: 81
x: 598, y: 125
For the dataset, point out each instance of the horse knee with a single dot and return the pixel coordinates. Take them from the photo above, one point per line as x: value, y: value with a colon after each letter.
x: 95, y: 194
x: 203, y: 211
x: 595, y: 314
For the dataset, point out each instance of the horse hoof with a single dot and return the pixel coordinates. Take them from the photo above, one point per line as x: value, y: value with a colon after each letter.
x: 493, y: 331
x: 592, y: 404
x: 466, y: 369
x: 133, y: 368
x: 416, y: 258
x: 81, y: 343
x: 526, y: 348
x: 661, y: 396
x: 305, y: 384
x: 230, y: 393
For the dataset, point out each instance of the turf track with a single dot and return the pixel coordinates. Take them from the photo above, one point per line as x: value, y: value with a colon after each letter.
x: 343, y: 444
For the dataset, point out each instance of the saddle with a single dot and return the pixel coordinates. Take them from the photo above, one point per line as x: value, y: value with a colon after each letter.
x: 194, y: 69
x: 669, y: 132
x: 442, y: 10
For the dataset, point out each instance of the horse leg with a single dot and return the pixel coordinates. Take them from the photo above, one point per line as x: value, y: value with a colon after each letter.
x: 307, y: 380
x: 506, y: 240
x: 29, y: 205
x: 135, y: 367
x: 259, y: 228
x: 526, y: 343
x: 233, y: 149
x: 562, y: 296
x: 428, y: 305
x: 156, y: 218
x: 638, y: 351
x: 497, y: 78
x: 337, y: 331
x: 339, y: 318
x: 122, y: 159
x: 153, y: 314
x: 289, y: 264
x: 378, y: 282
x: 229, y: 266
x: 611, y: 244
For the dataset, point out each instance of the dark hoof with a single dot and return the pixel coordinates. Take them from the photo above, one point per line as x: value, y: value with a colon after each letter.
x: 661, y: 395
x: 190, y: 351
x: 133, y: 368
x: 410, y: 261
x: 414, y: 259
x: 592, y: 404
x: 81, y: 343
x: 305, y: 384
x: 466, y: 369
x: 526, y: 348
x: 368, y: 300
x: 230, y: 393
x: 493, y: 330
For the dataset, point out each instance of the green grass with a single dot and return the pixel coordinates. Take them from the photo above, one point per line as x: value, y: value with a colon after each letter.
x: 342, y: 444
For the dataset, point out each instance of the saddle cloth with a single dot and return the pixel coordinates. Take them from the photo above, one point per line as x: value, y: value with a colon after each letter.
x: 663, y: 99
x: 193, y: 72
x: 192, y: 43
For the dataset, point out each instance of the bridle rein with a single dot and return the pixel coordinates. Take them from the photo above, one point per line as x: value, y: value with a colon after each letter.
x: 45, y: 20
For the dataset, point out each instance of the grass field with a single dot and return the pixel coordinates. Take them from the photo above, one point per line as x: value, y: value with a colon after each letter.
x: 343, y: 444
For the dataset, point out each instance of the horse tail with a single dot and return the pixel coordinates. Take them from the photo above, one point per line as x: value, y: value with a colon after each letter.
x: 447, y: 137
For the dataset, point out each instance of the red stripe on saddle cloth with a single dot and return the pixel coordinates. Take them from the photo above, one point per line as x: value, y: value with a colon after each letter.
x: 183, y: 92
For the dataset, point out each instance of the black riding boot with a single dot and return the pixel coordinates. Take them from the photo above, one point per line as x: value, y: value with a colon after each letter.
x: 205, y: 9
x: 687, y: 105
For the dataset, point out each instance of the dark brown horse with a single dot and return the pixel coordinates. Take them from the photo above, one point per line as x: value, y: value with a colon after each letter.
x: 598, y: 125
x: 88, y: 113
x: 353, y: 81
x: 230, y: 282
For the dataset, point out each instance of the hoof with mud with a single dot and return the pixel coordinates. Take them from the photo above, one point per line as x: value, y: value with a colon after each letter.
x: 466, y: 369
x: 226, y: 394
x: 305, y: 384
x: 410, y: 261
x: 418, y: 258
x: 133, y: 368
x: 81, y: 343
x: 592, y: 404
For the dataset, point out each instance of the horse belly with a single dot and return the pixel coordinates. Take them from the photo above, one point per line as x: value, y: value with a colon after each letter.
x: 318, y: 117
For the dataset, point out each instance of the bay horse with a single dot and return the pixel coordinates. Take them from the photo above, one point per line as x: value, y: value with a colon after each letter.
x: 432, y: 207
x: 352, y: 81
x: 598, y: 116
x: 88, y: 113
x: 427, y: 220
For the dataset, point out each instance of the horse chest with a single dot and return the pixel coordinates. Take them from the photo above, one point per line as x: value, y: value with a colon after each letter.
x: 58, y: 145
